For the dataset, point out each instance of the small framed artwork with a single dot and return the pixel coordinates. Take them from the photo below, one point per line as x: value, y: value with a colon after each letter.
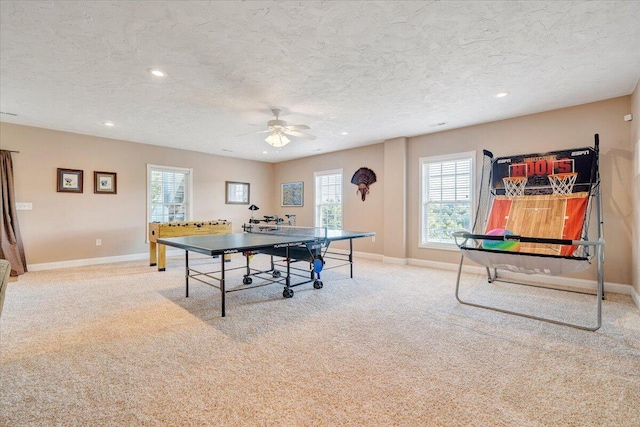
x: 69, y: 180
x: 236, y: 193
x: 105, y: 182
x: 292, y: 194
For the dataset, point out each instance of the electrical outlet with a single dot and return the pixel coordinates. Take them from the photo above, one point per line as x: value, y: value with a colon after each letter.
x: 24, y: 206
x: 373, y: 239
x: 98, y: 242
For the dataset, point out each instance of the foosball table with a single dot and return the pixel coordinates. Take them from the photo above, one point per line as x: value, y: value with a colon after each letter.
x: 158, y: 230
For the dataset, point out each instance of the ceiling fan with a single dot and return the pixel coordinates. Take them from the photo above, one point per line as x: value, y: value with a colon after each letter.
x: 279, y: 131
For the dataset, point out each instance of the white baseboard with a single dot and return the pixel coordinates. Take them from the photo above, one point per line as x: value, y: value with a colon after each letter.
x: 635, y: 296
x: 366, y: 255
x: 445, y: 265
x: 398, y: 261
x: 551, y: 280
x: 95, y: 261
x: 618, y: 288
x: 136, y: 257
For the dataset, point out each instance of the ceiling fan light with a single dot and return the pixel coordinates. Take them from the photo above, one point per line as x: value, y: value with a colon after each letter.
x: 277, y: 140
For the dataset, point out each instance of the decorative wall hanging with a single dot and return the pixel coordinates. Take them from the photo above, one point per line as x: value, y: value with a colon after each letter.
x: 105, y: 182
x: 237, y: 193
x: 292, y: 194
x: 363, y: 178
x: 69, y: 181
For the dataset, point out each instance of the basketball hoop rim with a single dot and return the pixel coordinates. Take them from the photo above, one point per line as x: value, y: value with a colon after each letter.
x: 515, y: 178
x: 514, y: 185
x: 562, y: 175
x: 562, y: 183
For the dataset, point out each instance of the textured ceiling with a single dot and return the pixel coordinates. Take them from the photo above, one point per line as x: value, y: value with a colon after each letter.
x: 376, y: 70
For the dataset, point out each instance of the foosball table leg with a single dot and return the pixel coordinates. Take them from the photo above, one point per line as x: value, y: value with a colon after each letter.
x: 153, y: 254
x: 162, y: 257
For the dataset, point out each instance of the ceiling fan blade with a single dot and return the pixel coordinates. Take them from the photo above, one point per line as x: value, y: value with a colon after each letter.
x: 254, y: 133
x: 299, y: 134
x: 297, y: 127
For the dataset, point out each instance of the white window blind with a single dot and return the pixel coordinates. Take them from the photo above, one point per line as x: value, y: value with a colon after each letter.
x: 446, y: 197
x: 328, y: 207
x: 169, y: 194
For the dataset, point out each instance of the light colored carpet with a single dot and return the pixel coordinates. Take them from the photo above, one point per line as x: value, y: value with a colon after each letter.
x: 120, y: 345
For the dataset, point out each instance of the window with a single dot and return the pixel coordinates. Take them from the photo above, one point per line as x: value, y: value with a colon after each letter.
x: 329, y: 199
x: 169, y: 193
x: 446, y: 197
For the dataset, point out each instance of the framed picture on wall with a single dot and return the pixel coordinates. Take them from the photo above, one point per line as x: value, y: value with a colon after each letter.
x: 69, y: 180
x: 292, y: 194
x: 236, y: 193
x: 105, y: 182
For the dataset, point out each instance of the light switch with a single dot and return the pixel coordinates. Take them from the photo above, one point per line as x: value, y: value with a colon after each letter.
x: 24, y: 206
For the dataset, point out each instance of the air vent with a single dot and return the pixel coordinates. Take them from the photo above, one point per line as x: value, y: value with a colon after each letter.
x: 8, y: 114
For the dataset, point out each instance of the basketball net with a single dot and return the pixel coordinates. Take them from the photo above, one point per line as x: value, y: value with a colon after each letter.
x: 562, y: 183
x: 514, y: 185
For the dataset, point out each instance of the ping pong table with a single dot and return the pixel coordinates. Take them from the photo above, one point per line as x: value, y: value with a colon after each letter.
x: 286, y: 245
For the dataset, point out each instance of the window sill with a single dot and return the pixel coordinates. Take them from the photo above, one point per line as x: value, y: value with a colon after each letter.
x: 440, y: 246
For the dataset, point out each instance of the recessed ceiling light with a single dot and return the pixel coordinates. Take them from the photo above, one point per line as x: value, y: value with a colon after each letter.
x: 344, y: 133
x: 157, y: 73
x: 110, y: 124
x: 264, y: 152
x: 501, y: 94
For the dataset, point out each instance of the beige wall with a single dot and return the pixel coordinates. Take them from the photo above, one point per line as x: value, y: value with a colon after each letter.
x: 559, y: 129
x: 357, y: 215
x: 65, y: 226
x: 635, y: 139
x: 395, y: 199
x: 553, y: 130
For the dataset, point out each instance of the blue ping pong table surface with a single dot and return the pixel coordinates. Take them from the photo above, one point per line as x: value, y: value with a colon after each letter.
x: 217, y: 244
x: 309, y: 244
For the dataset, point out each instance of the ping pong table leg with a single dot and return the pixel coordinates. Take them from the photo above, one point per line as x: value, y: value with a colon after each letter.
x: 288, y: 279
x: 351, y: 256
x: 223, y: 292
x: 186, y: 272
x: 288, y: 292
x: 248, y: 259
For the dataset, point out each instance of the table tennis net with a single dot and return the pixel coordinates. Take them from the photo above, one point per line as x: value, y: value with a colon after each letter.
x: 287, y: 230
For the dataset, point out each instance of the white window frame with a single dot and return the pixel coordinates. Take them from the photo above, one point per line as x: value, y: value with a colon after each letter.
x: 188, y: 192
x: 472, y: 194
x: 316, y: 213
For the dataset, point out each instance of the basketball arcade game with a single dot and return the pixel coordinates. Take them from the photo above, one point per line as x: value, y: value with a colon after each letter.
x: 533, y: 218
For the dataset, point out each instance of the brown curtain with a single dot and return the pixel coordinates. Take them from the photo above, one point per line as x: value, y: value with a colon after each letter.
x: 11, y: 248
